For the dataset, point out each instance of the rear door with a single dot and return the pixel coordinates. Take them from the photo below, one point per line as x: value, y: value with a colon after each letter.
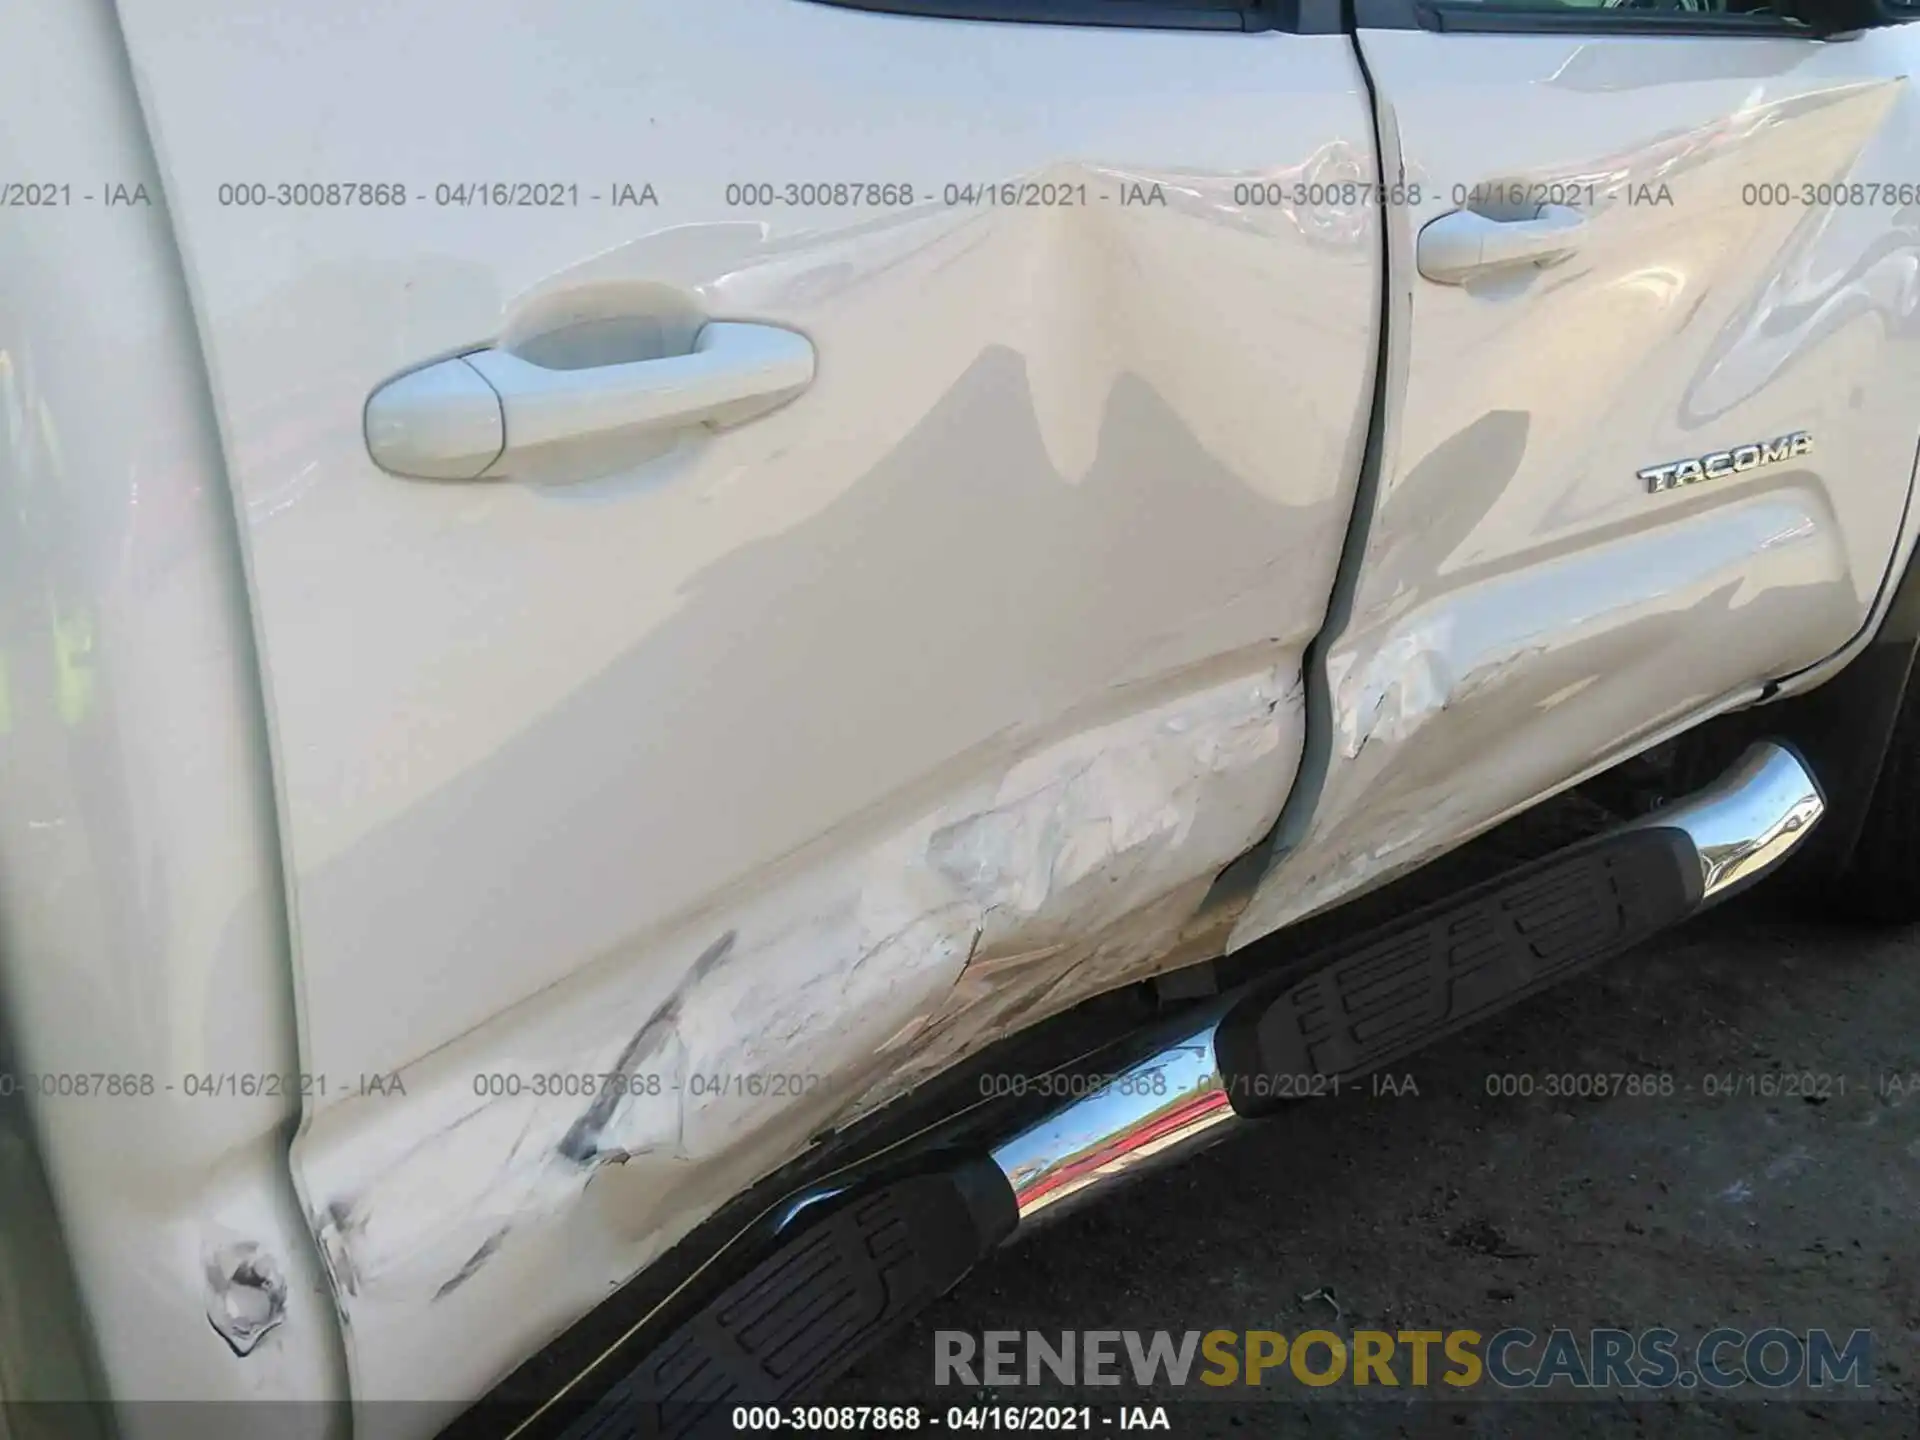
x: 1634, y: 484
x: 761, y: 766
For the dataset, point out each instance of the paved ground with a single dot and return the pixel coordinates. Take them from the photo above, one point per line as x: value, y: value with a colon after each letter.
x: 1457, y: 1208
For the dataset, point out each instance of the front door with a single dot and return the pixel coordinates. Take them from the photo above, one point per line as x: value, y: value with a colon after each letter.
x: 673, y: 760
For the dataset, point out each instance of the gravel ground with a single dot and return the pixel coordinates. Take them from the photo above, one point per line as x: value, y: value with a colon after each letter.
x: 1455, y: 1208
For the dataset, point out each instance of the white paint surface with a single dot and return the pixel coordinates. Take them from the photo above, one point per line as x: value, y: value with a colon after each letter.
x: 947, y: 688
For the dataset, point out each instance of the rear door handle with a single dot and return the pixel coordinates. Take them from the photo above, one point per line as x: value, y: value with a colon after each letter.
x: 478, y: 415
x: 1464, y: 243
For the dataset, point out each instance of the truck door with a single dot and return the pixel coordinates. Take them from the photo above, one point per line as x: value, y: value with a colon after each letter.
x: 1657, y: 464
x: 857, y: 488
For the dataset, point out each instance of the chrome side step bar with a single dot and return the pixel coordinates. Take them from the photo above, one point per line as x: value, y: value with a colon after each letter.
x: 845, y: 1262
x: 1417, y: 979
x: 1747, y: 821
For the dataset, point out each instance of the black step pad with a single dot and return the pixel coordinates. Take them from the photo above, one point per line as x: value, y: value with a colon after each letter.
x: 1390, y: 992
x: 811, y: 1308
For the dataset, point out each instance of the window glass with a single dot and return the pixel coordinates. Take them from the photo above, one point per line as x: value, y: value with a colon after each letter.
x: 1641, y: 9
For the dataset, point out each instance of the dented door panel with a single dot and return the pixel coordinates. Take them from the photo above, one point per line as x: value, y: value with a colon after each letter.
x: 1529, y: 606
x: 795, y: 761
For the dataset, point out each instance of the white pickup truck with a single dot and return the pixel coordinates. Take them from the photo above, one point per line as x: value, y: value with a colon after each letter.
x: 622, y: 623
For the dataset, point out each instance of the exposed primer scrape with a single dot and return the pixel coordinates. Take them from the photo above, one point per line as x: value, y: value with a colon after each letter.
x: 1062, y: 873
x: 581, y: 1143
x: 246, y: 1294
x: 474, y: 1261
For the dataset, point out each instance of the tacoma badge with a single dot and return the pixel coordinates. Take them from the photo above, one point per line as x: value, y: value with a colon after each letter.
x: 1736, y: 461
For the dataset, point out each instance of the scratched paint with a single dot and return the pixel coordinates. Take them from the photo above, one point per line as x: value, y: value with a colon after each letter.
x: 1050, y: 875
x: 246, y: 1294
x: 1449, y: 715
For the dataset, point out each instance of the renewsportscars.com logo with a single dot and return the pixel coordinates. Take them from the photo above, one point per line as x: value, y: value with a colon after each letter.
x: 1513, y: 1359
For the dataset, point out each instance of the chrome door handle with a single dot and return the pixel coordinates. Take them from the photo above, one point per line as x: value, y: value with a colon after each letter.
x: 1464, y: 243
x: 474, y: 416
